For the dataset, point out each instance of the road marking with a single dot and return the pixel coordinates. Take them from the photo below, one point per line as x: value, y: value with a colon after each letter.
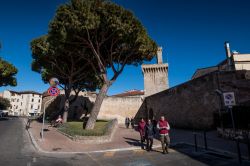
x: 28, y: 164
x: 160, y: 150
x: 139, y: 151
x: 96, y: 161
x: 34, y: 159
x: 109, y: 154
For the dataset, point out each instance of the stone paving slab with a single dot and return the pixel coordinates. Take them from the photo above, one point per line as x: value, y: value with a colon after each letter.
x: 54, y: 141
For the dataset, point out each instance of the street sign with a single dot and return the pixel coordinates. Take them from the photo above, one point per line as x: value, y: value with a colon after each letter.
x: 53, y: 91
x: 229, y: 99
x: 53, y: 82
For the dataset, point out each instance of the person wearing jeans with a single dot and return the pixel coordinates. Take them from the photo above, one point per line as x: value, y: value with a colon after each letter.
x: 163, y: 127
x: 149, y: 135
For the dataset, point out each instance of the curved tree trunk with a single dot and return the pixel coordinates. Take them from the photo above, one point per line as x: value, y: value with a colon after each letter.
x: 96, y: 109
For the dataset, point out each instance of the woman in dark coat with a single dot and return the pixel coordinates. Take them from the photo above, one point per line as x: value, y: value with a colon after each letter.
x: 127, y: 121
x: 149, y: 134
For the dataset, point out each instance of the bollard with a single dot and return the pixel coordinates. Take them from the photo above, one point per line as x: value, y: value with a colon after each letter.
x: 205, y: 140
x: 238, y: 150
x: 248, y: 145
x: 195, y: 141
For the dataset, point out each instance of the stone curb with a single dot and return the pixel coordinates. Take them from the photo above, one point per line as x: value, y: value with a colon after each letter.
x: 37, y: 147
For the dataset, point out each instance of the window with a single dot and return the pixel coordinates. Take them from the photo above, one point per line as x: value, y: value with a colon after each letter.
x: 33, y: 95
x: 21, y: 103
x: 17, y: 100
x: 32, y: 100
x: 31, y: 107
x: 38, y: 107
x: 12, y: 94
x: 39, y: 100
x: 17, y: 107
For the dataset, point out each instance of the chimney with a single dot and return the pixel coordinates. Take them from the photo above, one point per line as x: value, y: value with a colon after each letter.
x: 159, y: 55
x: 227, y: 47
x: 228, y: 55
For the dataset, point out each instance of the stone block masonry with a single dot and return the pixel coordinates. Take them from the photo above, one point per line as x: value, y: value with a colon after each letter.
x: 155, y: 76
x: 192, y: 104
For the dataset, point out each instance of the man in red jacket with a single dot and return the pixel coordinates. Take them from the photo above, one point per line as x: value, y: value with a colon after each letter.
x: 164, y: 128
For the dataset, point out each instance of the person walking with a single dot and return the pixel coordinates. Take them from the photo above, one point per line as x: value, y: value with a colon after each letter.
x: 164, y: 128
x: 154, y: 122
x: 127, y: 121
x: 149, y: 135
x: 141, y: 128
x: 132, y: 122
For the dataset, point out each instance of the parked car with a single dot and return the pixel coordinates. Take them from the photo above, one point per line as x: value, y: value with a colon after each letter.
x: 4, y: 113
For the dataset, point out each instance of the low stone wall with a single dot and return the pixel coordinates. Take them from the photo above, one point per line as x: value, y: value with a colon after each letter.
x: 107, y: 137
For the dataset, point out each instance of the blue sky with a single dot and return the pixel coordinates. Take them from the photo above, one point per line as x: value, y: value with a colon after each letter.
x: 192, y: 34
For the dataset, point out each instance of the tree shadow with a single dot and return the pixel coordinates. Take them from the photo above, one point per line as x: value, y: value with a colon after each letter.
x: 79, y: 109
x: 132, y: 141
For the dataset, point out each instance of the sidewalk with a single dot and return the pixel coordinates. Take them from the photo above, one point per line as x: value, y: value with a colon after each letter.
x: 213, y: 141
x: 56, y: 142
x: 125, y: 139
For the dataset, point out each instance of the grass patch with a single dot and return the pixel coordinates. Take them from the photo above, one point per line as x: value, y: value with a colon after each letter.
x: 75, y: 128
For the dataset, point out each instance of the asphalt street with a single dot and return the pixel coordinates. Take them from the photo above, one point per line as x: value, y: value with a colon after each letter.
x: 16, y: 149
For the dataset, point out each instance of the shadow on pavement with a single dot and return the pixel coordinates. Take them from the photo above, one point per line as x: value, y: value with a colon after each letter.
x: 209, y: 157
x: 132, y: 141
x: 3, y: 119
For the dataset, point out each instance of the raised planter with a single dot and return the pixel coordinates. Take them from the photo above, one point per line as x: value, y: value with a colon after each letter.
x: 107, y: 137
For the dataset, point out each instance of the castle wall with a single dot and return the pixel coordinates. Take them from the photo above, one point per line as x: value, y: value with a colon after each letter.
x: 120, y: 108
x: 112, y: 107
x: 192, y: 104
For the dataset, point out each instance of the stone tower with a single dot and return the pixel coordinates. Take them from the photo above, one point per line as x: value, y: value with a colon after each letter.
x: 155, y: 75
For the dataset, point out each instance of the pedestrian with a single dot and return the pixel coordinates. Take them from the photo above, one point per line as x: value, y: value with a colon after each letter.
x: 149, y: 134
x: 132, y: 122
x: 141, y: 128
x: 127, y: 121
x: 164, y: 128
x: 154, y: 122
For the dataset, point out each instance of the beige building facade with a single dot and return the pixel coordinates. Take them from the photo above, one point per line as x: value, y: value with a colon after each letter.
x: 24, y: 103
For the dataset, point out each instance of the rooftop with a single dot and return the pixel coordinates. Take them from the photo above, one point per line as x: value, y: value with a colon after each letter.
x: 25, y: 92
x: 130, y: 93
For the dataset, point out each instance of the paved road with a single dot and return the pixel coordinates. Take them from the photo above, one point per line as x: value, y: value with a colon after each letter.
x: 16, y: 150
